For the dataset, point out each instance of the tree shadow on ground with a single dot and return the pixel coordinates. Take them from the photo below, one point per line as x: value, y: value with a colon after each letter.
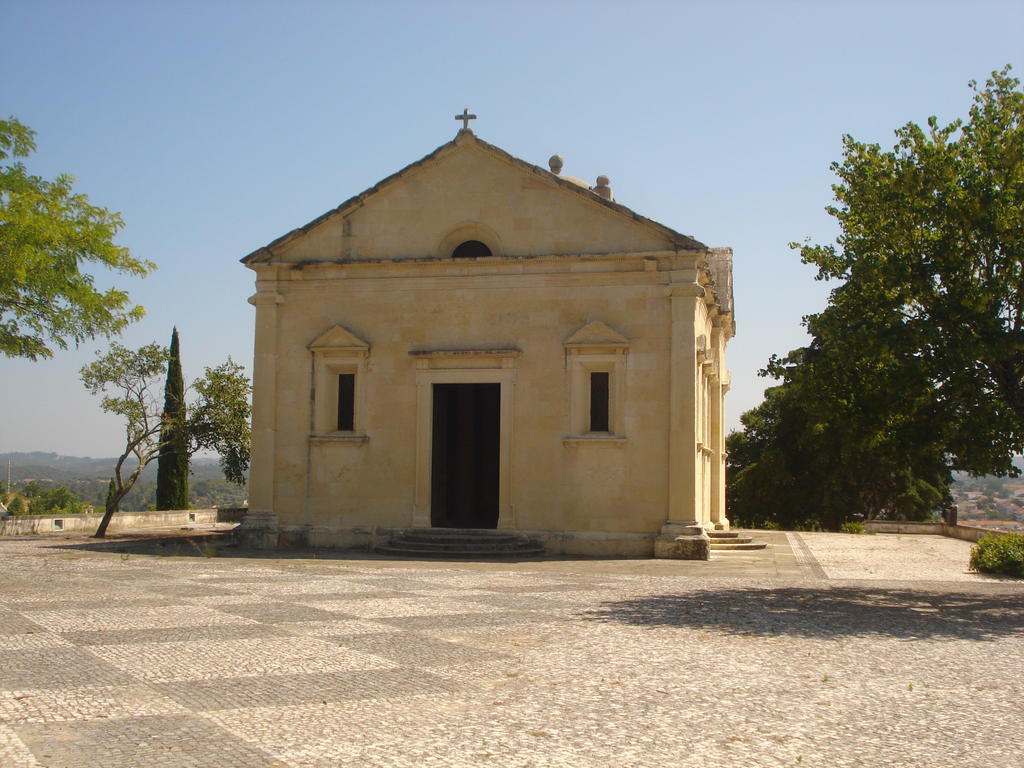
x: 828, y: 612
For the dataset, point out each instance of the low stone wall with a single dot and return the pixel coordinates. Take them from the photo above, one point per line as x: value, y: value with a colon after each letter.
x: 24, y: 525
x: 971, y: 532
x: 965, y: 532
x: 903, y: 526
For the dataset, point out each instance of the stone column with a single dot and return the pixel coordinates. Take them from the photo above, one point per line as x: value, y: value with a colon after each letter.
x: 681, y: 536
x: 719, y: 387
x: 259, y: 527
x: 420, y: 513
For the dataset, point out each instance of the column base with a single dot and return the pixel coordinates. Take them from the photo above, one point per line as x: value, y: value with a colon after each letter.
x: 682, y: 541
x: 259, y: 530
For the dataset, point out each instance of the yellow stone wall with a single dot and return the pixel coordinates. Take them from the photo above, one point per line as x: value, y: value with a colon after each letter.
x: 469, y: 186
x: 380, y: 270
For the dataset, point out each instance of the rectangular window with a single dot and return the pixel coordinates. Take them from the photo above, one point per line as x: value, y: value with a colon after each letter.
x: 346, y: 402
x: 599, y: 401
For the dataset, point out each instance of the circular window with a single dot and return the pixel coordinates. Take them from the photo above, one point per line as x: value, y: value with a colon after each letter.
x: 471, y: 249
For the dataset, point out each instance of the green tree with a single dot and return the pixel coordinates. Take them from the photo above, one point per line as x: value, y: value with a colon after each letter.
x: 931, y: 255
x: 221, y: 418
x: 31, y: 489
x: 172, y: 462
x: 48, y: 233
x: 16, y: 506
x: 809, y: 457
x: 916, y: 365
x: 127, y: 379
x: 111, y: 501
x: 56, y: 501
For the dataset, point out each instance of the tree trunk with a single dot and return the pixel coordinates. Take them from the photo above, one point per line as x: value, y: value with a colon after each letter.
x: 109, y: 509
x: 107, y: 514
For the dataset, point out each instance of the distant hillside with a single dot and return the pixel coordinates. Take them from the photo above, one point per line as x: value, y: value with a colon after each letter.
x: 38, y: 465
x: 88, y: 477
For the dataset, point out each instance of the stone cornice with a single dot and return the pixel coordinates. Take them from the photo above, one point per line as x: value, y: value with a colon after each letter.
x: 693, y: 290
x: 468, y: 352
x: 266, y: 298
x: 660, y: 257
x: 405, y: 282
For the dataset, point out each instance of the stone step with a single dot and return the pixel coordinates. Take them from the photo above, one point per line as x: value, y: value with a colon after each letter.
x: 721, y: 546
x: 460, y: 537
x: 461, y: 543
x: 733, y: 540
x: 457, y: 546
x: 439, y: 531
x: 465, y: 553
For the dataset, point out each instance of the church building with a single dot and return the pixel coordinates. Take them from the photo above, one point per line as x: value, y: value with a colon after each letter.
x: 477, y: 342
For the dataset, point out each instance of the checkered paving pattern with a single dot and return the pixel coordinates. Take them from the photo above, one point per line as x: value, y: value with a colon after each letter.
x: 112, y: 660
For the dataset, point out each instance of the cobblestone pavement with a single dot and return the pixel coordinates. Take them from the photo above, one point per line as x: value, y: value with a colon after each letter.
x: 122, y: 659
x: 907, y: 557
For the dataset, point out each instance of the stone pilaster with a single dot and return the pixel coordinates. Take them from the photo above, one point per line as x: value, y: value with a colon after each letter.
x: 719, y: 387
x: 681, y: 536
x: 260, y: 524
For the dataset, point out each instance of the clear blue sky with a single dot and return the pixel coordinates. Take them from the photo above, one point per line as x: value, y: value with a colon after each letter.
x: 216, y: 126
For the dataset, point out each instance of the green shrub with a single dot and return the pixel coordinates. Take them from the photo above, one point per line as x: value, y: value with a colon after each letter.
x: 999, y: 554
x: 56, y: 501
x: 811, y: 526
x: 852, y: 527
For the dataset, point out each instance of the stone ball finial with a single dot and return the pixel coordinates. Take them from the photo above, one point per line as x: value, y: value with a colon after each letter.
x: 555, y: 164
x: 602, y: 187
x: 603, y: 181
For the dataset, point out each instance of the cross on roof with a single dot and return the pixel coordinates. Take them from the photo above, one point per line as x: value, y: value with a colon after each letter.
x: 465, y: 117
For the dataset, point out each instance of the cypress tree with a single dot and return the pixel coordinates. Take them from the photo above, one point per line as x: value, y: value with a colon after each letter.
x: 111, y: 490
x: 172, y: 463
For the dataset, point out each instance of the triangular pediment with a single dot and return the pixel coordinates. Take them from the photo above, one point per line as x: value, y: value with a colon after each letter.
x: 597, y: 334
x: 529, y: 210
x: 339, y: 338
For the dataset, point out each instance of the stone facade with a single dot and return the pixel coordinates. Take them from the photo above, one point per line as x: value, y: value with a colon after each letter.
x: 602, y: 335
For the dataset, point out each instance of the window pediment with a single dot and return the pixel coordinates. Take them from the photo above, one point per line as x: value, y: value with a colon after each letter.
x: 338, y: 339
x: 596, y: 335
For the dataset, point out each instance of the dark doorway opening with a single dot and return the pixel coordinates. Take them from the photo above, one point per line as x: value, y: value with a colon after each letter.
x: 464, y: 471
